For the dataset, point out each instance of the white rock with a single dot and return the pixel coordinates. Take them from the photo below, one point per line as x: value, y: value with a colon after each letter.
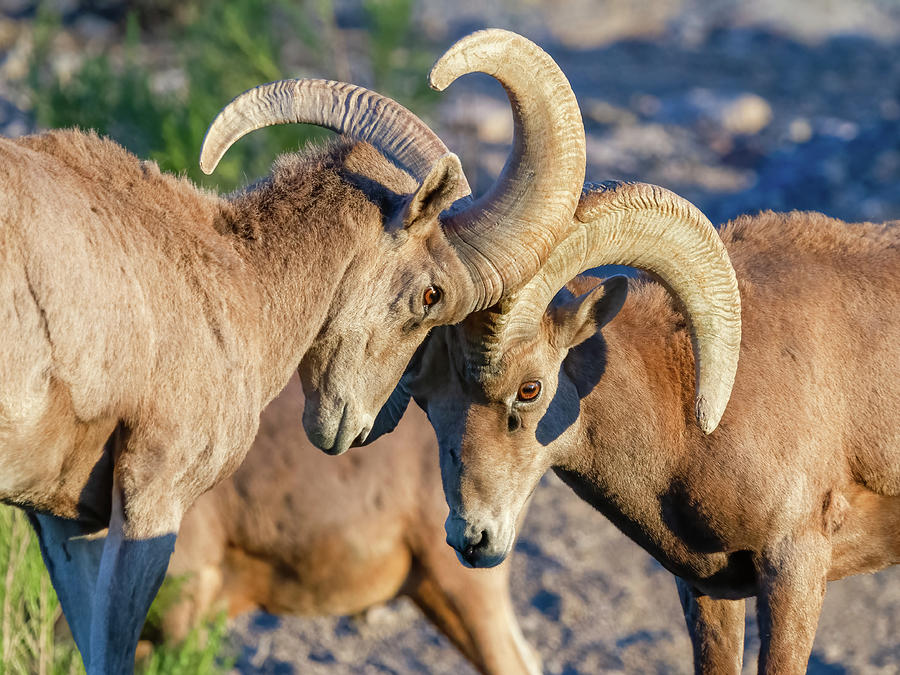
x: 800, y: 130
x: 747, y: 114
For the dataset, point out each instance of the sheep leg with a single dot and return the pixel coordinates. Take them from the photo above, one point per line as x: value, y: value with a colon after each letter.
x: 72, y: 559
x: 474, y: 610
x: 716, y: 627
x: 198, y: 565
x: 131, y: 571
x: 792, y: 575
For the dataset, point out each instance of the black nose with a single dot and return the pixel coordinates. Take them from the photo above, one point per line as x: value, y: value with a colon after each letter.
x: 475, y: 548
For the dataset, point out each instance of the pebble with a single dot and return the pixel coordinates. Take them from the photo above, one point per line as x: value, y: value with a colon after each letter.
x: 800, y: 130
x: 747, y: 114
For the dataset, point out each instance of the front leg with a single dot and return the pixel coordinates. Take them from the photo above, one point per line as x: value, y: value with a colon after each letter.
x: 132, y: 569
x: 716, y: 627
x: 72, y: 558
x: 792, y: 575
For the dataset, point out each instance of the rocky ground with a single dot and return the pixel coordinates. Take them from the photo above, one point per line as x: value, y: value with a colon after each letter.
x: 737, y: 106
x: 588, y: 599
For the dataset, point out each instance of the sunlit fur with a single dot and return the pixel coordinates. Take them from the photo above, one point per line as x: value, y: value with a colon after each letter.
x: 801, y: 481
x: 294, y: 531
x: 131, y: 298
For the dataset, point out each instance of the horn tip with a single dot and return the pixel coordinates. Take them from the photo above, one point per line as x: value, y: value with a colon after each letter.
x: 437, y: 80
x: 207, y: 164
x: 707, y: 418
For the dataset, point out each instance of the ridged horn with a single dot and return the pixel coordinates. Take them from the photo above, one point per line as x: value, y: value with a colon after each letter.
x: 345, y: 108
x: 653, y: 229
x: 506, y: 235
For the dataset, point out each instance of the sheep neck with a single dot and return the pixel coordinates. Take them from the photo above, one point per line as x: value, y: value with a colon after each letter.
x: 637, y: 422
x: 297, y: 265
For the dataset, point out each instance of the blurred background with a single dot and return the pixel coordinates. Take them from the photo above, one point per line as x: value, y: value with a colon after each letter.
x: 738, y: 106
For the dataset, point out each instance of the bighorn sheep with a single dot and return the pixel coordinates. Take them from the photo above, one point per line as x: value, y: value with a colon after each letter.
x: 799, y: 484
x: 146, y: 323
x: 294, y: 531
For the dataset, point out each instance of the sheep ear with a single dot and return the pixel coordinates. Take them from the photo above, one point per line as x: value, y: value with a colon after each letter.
x: 435, y: 194
x: 577, y: 320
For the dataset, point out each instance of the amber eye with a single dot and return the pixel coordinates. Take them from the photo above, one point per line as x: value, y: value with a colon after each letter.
x: 432, y: 296
x: 529, y: 390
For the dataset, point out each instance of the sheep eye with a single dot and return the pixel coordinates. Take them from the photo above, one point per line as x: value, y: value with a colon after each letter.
x: 431, y: 297
x: 529, y: 391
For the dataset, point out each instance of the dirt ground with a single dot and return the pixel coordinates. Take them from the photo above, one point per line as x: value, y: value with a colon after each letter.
x: 739, y: 107
x: 588, y: 599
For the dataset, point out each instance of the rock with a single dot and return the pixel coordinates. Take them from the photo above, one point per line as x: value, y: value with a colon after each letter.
x: 9, y: 33
x: 583, y: 25
x: 647, y: 105
x: 890, y: 109
x: 744, y: 113
x: 748, y: 114
x: 94, y: 30
x: 490, y: 117
x: 17, y: 7
x: 800, y: 130
x: 602, y: 112
x: 842, y: 129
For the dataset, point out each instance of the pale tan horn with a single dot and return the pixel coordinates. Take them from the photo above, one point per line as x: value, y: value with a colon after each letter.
x: 345, y: 108
x: 505, y: 236
x: 650, y: 228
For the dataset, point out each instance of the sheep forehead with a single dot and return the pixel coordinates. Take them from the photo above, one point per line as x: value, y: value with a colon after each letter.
x: 513, y: 362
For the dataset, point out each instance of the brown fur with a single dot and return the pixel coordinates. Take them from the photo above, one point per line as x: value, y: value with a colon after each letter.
x: 801, y: 481
x: 294, y: 531
x: 146, y: 323
x: 132, y: 298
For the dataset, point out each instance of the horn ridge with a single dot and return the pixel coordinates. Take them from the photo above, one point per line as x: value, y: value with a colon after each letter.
x: 650, y: 228
x: 345, y: 108
x: 504, y: 236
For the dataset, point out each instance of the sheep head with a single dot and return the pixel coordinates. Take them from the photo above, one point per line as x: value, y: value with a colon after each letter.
x: 503, y: 389
x: 443, y: 255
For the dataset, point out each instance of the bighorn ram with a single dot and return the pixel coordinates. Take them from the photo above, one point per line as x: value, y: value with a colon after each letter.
x: 800, y: 482
x: 294, y: 531
x: 146, y: 323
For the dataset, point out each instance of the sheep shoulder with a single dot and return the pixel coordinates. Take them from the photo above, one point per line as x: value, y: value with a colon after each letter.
x: 119, y: 264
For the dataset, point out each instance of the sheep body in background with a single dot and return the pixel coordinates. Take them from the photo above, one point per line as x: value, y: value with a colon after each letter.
x: 262, y: 539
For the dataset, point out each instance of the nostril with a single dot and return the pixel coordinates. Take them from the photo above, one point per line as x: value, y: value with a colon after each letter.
x: 475, y: 544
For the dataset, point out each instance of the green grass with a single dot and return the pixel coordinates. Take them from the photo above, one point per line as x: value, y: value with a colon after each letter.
x: 34, y: 642
x: 204, y: 650
x: 222, y: 49
x: 29, y: 609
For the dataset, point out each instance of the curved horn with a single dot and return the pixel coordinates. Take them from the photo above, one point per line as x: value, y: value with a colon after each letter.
x: 505, y: 236
x: 650, y: 228
x: 345, y: 108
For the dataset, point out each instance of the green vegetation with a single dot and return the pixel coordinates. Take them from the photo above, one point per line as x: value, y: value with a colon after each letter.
x: 29, y: 609
x: 34, y: 640
x: 217, y: 50
x: 205, y: 650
